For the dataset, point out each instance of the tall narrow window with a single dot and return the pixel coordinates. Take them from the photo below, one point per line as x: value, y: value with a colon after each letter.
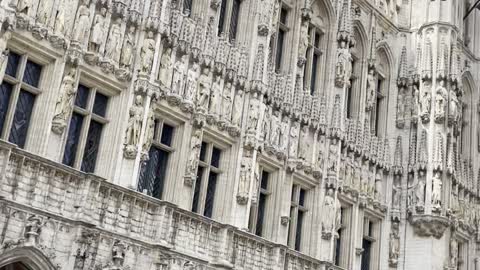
x: 339, y: 238
x: 314, y: 54
x: 207, y: 177
x: 367, y: 244
x: 260, y: 204
x: 152, y: 175
x: 281, y: 35
x: 187, y: 7
x: 221, y: 20
x: 87, y: 121
x: 376, y: 117
x: 298, y: 211
x: 18, y: 91
x: 234, y: 20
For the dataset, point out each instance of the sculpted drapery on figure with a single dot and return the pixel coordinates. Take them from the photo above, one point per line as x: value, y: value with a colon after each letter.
x: 329, y: 217
x: 244, y: 181
x: 165, y: 72
x: 215, y: 96
x: 4, y: 52
x: 114, y: 42
x: 192, y: 77
x: 371, y: 91
x: 440, y: 101
x: 98, y: 31
x: 293, y: 140
x: 436, y: 189
x: 178, y: 75
x: 253, y: 113
x: 275, y: 129
x: 44, y: 11
x: 204, y: 85
x: 305, y: 143
x: 150, y: 131
x: 195, y: 145
x: 134, y: 126
x: 237, y: 108
x: 82, y: 24
x: 425, y: 105
x: 147, y: 53
x: 227, y: 101
x: 65, y: 103
x: 283, y: 134
x: 128, y: 51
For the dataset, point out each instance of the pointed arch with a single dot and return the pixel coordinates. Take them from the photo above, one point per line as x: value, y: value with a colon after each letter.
x: 466, y: 138
x: 31, y: 257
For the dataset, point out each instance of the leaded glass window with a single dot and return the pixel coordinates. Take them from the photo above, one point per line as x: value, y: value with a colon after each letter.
x: 314, y: 54
x: 18, y: 92
x: 228, y: 19
x: 208, y: 174
x: 153, y: 172
x: 260, y: 204
x: 369, y: 244
x: 85, y: 129
x: 278, y: 45
x: 298, y: 211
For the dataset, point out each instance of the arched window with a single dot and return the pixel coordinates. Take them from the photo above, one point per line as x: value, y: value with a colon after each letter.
x: 379, y: 112
x: 354, y: 90
x: 465, y: 125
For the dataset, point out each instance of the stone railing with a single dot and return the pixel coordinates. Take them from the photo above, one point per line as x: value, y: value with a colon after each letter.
x: 120, y: 226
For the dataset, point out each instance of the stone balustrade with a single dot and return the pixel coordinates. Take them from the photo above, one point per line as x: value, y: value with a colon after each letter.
x: 78, y: 219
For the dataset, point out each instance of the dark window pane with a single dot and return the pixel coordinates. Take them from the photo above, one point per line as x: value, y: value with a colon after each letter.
x: 349, y: 101
x: 187, y: 7
x: 338, y: 247
x: 301, y: 199
x: 279, y: 52
x: 210, y: 198
x: 73, y: 139
x: 21, y: 119
x: 317, y: 40
x: 203, y: 151
x: 159, y: 182
x: 100, y: 104
x: 283, y: 16
x: 91, y: 147
x: 313, y: 79
x: 216, y: 157
x: 370, y: 229
x: 196, y: 193
x: 32, y: 73
x: 367, y: 246
x: 5, y: 92
x: 167, y: 135
x: 234, y: 19
x: 298, y: 232
x: 261, y: 214
x: 264, y: 183
x: 81, y: 99
x: 152, y: 175
x: 12, y: 64
x: 221, y: 20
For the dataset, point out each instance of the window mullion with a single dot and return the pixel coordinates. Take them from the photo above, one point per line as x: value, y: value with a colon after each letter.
x: 82, y: 141
x: 203, y: 190
x: 12, y: 107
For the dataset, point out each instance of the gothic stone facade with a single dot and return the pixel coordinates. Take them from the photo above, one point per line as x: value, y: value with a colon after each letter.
x: 239, y: 134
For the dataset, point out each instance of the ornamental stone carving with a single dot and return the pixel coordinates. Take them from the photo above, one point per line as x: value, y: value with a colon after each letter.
x: 165, y: 72
x: 425, y: 106
x: 343, y: 68
x: 82, y: 24
x: 97, y: 35
x: 227, y: 101
x: 329, y: 216
x: 113, y: 46
x: 237, y: 110
x: 244, y: 181
x: 191, y: 84
x: 149, y: 133
x: 436, y: 190
x: 371, y: 90
x: 394, y: 245
x: 293, y: 140
x: 204, y: 85
x: 440, y: 102
x: 195, y: 145
x: 4, y: 52
x: 146, y: 54
x: 127, y: 54
x: 64, y: 105
x: 134, y: 128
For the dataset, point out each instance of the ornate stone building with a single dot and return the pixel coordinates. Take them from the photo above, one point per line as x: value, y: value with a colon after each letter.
x: 239, y: 134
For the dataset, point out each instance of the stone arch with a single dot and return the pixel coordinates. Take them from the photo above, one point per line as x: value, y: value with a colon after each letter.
x: 31, y: 257
x: 467, y: 134
x: 384, y: 65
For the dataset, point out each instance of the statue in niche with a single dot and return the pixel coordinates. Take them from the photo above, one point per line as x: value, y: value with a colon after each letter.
x: 147, y: 52
x: 59, y: 26
x: 332, y: 156
x: 274, y: 129
x: 98, y: 31
x: 436, y: 189
x: 305, y: 143
x: 4, y: 52
x: 204, y: 85
x: 426, y: 104
x: 394, y: 245
x: 396, y: 192
x: 453, y: 251
x: 195, y: 145
x: 283, y: 134
x: 420, y: 192
x: 150, y: 131
x: 329, y: 215
x: 237, y: 108
x: 65, y: 103
x: 44, y: 11
x: 293, y: 141
x: 371, y: 91
x: 82, y: 25
x: 165, y: 72
x: 266, y: 126
x: 135, y: 122
x: 338, y: 214
x: 304, y: 40
x: 178, y: 75
x: 113, y: 46
x: 400, y: 106
x: 24, y: 6
x: 244, y: 183
x: 128, y: 49
x: 440, y: 101
x: 216, y: 96
x: 227, y: 101
x: 454, y: 107
x: 343, y: 69
x: 378, y: 187
x: 254, y: 109
x: 416, y: 101
x: 192, y: 77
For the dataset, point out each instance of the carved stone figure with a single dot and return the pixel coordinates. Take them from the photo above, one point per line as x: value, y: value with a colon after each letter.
x: 191, y: 87
x: 274, y: 129
x: 82, y: 24
x: 149, y: 132
x: 237, y: 108
x: 195, y: 145
x: 329, y: 215
x: 420, y: 192
x: 305, y: 143
x: 98, y: 31
x: 227, y: 101
x: 204, y: 84
x: 440, y: 101
x: 114, y: 42
x: 134, y: 127
x: 4, y: 52
x: 266, y: 125
x: 416, y: 101
x: 332, y: 156
x: 253, y: 113
x: 343, y: 69
x: 425, y: 104
x: 59, y: 26
x: 453, y: 252
x: 215, y: 96
x: 394, y: 247
x: 371, y: 89
x: 44, y: 11
x: 283, y: 135
x: 178, y: 75
x: 128, y: 49
x: 304, y: 40
x: 293, y: 141
x: 454, y: 107
x: 400, y: 106
x: 147, y: 53
x: 165, y: 72
x: 436, y: 189
x: 65, y: 103
x: 244, y: 183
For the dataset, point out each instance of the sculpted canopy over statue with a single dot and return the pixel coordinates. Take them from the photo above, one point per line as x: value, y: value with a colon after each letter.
x: 98, y: 31
x: 82, y: 24
x: 147, y: 53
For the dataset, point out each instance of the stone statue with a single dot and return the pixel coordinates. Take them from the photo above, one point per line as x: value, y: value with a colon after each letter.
x: 98, y: 31
x: 426, y: 104
x: 178, y: 75
x: 436, y: 189
x: 343, y: 69
x: 305, y: 143
x: 204, y: 84
x: 420, y: 192
x: 59, y: 27
x: 293, y: 140
x: 134, y: 126
x: 394, y: 247
x: 371, y: 89
x: 227, y: 101
x: 304, y: 40
x: 237, y: 110
x: 65, y: 103
x: 243, y: 183
x: 114, y: 42
x: 453, y: 252
x: 416, y: 101
x: 191, y: 87
x: 283, y: 135
x: 440, y: 101
x: 82, y: 25
x: 338, y: 214
x: 332, y: 156
x: 195, y: 145
x: 215, y: 96
x: 266, y: 126
x: 454, y: 107
x: 165, y: 72
x: 329, y: 214
x: 253, y: 111
x: 274, y: 129
x: 150, y: 131
x: 44, y: 11
x: 4, y: 52
x: 147, y: 53
x: 128, y: 49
